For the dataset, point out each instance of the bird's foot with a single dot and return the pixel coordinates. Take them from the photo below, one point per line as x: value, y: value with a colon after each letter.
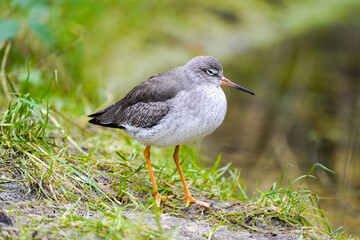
x: 161, y: 198
x: 190, y: 199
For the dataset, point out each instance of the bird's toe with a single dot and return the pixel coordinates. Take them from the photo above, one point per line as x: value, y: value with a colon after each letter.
x: 190, y: 199
x: 161, y: 198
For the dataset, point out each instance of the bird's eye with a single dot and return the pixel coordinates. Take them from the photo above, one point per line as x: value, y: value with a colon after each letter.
x: 211, y: 72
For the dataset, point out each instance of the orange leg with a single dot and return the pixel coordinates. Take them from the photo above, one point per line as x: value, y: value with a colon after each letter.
x: 187, y: 196
x: 158, y: 198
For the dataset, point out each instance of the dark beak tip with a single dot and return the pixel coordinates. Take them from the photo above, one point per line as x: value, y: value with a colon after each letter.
x: 246, y: 90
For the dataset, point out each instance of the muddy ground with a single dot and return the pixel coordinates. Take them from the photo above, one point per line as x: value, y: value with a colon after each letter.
x: 18, y: 205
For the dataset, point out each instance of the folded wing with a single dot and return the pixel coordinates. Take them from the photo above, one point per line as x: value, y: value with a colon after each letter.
x: 143, y: 107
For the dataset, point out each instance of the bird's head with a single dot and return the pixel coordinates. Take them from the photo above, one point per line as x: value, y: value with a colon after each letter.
x: 209, y: 70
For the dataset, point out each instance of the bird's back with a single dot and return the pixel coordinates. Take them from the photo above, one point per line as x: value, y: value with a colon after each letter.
x: 144, y: 106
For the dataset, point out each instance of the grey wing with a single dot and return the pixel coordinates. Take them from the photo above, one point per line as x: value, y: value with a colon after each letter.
x: 142, y: 115
x: 144, y: 106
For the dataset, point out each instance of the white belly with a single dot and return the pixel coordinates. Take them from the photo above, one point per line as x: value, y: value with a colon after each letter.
x: 193, y: 115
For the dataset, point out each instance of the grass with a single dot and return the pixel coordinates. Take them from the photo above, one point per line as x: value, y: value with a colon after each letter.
x: 93, y: 186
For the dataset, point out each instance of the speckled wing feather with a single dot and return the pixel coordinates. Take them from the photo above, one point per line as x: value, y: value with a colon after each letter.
x: 144, y: 106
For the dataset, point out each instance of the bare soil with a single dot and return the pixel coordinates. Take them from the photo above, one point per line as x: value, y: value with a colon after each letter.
x: 18, y: 205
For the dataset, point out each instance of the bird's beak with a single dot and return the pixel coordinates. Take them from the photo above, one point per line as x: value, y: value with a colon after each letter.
x: 227, y: 82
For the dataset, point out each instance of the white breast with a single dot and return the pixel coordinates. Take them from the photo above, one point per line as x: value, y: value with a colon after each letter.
x: 194, y: 114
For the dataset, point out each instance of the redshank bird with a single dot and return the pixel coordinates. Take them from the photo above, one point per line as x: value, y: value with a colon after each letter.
x: 171, y: 109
